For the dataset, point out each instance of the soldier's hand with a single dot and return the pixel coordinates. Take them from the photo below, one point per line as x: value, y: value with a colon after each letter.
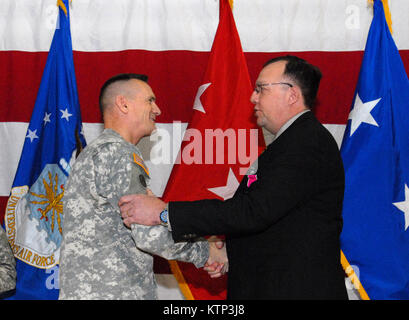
x: 217, y: 264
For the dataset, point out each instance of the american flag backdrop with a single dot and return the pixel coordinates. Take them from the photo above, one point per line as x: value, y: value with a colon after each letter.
x: 170, y: 41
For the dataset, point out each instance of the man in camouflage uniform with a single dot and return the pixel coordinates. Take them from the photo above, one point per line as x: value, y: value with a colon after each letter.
x: 100, y: 257
x: 7, y: 265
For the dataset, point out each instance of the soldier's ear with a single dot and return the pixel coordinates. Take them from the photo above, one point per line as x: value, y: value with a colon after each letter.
x: 121, y: 104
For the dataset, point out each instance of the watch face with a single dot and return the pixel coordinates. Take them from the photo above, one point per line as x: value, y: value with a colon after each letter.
x: 164, y: 216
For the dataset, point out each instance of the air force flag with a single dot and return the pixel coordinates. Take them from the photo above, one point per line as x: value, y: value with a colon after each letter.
x: 375, y: 151
x: 34, y: 217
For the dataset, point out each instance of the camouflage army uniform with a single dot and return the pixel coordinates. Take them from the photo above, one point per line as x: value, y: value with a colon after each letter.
x: 100, y: 257
x: 7, y: 264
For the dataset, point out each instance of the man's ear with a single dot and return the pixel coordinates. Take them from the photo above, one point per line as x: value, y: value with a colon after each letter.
x: 121, y: 104
x: 294, y: 95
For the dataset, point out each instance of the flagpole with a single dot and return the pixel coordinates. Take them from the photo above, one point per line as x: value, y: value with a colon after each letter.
x: 183, y: 286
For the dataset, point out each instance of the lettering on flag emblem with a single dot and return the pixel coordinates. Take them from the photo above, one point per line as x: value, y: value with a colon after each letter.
x: 34, y: 219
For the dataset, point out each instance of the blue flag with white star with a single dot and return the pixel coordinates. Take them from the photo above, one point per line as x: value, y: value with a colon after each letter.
x: 34, y: 216
x: 375, y: 151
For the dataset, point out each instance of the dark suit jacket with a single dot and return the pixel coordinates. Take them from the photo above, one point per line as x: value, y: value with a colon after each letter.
x: 283, y: 231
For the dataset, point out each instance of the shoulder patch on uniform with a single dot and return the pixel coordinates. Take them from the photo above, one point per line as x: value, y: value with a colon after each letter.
x: 140, y: 163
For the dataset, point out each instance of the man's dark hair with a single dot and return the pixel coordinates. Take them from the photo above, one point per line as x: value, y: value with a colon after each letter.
x: 304, y: 74
x: 118, y: 77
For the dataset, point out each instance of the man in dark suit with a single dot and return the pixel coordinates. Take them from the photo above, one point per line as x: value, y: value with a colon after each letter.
x: 282, y: 230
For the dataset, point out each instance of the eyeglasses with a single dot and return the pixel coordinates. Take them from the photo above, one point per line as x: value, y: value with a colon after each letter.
x: 260, y: 86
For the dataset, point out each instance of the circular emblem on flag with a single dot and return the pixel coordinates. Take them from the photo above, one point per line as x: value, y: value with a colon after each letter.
x: 34, y: 218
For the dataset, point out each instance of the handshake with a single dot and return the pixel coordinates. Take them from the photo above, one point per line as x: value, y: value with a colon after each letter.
x: 143, y: 209
x: 217, y: 264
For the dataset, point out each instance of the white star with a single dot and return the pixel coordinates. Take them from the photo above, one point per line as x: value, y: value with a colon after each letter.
x: 65, y: 114
x: 198, y: 104
x: 32, y: 135
x: 227, y: 191
x: 404, y: 206
x: 47, y: 118
x: 362, y: 113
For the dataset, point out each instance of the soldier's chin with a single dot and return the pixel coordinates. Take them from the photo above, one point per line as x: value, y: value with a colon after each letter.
x: 152, y: 129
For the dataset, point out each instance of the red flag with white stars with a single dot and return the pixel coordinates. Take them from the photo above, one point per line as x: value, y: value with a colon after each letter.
x: 221, y: 141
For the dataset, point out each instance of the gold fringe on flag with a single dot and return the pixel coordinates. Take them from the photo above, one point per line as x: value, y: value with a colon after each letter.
x: 353, y: 277
x: 388, y: 15
x: 62, y: 6
x: 231, y: 3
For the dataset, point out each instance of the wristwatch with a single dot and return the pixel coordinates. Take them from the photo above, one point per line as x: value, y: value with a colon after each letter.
x: 163, y: 216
